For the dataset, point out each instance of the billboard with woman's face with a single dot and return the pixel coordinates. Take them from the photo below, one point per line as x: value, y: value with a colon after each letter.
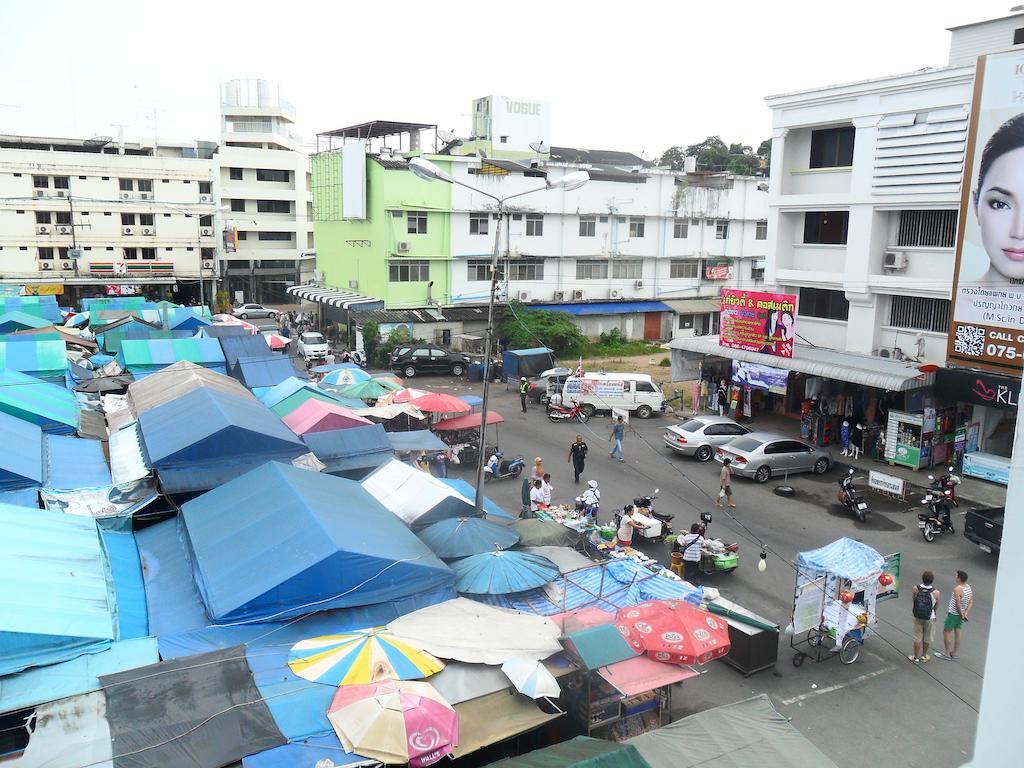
x: 987, y: 317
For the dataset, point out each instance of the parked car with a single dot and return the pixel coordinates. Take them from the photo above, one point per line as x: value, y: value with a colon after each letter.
x: 984, y: 527
x: 699, y: 436
x: 312, y: 346
x: 547, y: 384
x: 635, y: 392
x: 416, y: 359
x: 246, y: 311
x: 763, y: 455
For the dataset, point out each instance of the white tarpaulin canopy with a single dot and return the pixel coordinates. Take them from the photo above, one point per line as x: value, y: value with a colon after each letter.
x: 414, y: 496
x: 469, y: 631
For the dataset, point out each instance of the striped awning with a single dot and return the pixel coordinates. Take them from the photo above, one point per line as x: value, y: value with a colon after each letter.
x: 335, y: 298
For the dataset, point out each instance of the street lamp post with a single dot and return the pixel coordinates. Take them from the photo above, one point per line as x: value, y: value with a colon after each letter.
x: 429, y: 171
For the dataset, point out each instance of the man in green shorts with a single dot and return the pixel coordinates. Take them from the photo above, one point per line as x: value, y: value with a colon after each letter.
x: 959, y: 606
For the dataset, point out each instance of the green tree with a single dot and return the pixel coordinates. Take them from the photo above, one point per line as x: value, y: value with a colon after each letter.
x: 712, y: 154
x: 764, y: 153
x: 371, y: 341
x: 672, y: 158
x: 524, y: 328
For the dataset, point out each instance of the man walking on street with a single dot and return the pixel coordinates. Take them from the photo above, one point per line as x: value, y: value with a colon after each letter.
x: 725, y: 483
x: 524, y: 387
x: 956, y: 614
x: 578, y: 457
x: 926, y: 597
x: 618, y: 432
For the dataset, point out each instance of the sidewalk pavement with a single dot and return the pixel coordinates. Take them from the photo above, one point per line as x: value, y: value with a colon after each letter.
x: 971, y: 492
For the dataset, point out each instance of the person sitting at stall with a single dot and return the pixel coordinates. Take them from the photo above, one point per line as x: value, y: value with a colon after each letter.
x: 546, y: 486
x: 626, y: 527
x: 537, y: 496
x: 591, y: 499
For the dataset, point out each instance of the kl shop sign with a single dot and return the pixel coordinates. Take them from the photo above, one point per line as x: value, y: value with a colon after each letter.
x: 758, y: 322
x: 978, y: 388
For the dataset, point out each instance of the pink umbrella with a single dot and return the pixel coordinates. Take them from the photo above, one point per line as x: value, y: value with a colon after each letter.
x: 319, y: 416
x: 406, y: 395
x: 276, y: 340
x: 438, y: 402
x: 395, y: 722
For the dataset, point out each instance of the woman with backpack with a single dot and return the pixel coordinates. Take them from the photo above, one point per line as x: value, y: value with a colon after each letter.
x: 926, y: 597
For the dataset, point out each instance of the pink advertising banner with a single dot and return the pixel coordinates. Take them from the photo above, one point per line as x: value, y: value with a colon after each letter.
x: 758, y: 322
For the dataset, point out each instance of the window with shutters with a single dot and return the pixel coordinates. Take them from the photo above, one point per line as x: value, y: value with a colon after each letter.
x: 919, y: 313
x: 927, y: 229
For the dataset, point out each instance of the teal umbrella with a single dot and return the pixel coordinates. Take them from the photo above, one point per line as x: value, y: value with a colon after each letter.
x: 465, y: 536
x: 368, y: 390
x: 502, y: 572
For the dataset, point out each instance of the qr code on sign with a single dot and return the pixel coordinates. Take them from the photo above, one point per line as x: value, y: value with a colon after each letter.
x: 969, y: 341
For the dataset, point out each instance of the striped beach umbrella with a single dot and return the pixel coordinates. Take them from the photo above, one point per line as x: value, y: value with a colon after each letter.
x: 359, y: 657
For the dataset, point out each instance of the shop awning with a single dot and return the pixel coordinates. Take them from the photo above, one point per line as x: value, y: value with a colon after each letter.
x: 606, y: 307
x: 494, y: 718
x: 694, y: 306
x: 642, y: 674
x: 880, y: 372
x: 335, y: 298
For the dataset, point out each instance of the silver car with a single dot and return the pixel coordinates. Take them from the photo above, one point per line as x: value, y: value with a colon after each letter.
x: 699, y: 436
x: 245, y: 311
x: 763, y: 455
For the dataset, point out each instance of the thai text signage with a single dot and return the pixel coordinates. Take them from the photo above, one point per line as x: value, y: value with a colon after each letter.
x: 758, y: 322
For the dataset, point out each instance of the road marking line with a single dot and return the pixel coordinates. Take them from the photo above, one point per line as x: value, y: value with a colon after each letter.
x: 838, y: 686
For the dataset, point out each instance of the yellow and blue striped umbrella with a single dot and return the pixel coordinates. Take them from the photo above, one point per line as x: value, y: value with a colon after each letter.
x: 360, y: 657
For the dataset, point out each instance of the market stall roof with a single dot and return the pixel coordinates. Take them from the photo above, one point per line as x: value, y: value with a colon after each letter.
x: 346, y: 450
x: 263, y: 373
x: 21, y: 454
x: 247, y: 347
x: 50, y: 406
x: 642, y: 673
x: 74, y: 463
x: 494, y: 718
x: 335, y: 298
x: 40, y: 306
x: 158, y: 711
x: 416, y: 440
x: 221, y: 330
x: 844, y: 557
x: 280, y: 540
x: 750, y: 732
x: 179, y: 379
x: 286, y: 388
x: 694, y: 306
x: 417, y: 498
x: 867, y: 370
x: 468, y: 421
x: 16, y: 320
x: 312, y: 392
x: 143, y: 357
x: 606, y: 307
x: 45, y: 359
x: 468, y: 492
x: 112, y: 340
x: 598, y: 646
x: 317, y: 415
x: 579, y: 752
x: 50, y: 612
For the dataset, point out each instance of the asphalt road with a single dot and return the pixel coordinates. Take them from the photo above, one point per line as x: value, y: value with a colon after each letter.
x: 882, y: 709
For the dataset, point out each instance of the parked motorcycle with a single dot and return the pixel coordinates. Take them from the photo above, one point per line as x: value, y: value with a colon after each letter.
x: 716, y: 556
x: 946, y: 485
x: 851, y: 498
x: 936, y: 519
x: 645, y: 505
x: 558, y: 413
x: 500, y: 469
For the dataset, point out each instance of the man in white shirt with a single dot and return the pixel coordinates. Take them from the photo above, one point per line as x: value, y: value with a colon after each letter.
x: 537, y: 496
x: 591, y: 498
x: 690, y: 545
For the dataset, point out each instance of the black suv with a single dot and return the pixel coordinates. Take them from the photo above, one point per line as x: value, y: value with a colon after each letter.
x: 416, y: 359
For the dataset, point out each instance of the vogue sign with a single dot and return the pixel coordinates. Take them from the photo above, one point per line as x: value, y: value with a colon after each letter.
x: 989, y: 390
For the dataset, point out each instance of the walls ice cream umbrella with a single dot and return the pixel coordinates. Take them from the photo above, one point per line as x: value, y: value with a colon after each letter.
x: 395, y: 722
x: 364, y: 656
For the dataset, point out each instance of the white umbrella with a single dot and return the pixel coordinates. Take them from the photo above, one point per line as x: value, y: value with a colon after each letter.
x: 531, y: 678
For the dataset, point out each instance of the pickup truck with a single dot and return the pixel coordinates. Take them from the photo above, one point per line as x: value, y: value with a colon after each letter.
x: 984, y: 527
x: 312, y: 346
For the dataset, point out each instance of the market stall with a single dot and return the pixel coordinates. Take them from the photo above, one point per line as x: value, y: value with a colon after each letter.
x: 834, y: 600
x: 462, y: 434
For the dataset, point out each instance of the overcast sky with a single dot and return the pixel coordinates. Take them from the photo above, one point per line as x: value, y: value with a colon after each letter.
x: 636, y: 75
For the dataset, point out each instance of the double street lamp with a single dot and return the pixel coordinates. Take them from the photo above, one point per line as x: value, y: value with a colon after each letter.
x: 429, y: 171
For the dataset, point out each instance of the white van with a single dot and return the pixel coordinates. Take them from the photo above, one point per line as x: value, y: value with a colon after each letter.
x: 634, y: 392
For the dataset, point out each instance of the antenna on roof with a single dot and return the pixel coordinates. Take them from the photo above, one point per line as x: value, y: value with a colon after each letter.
x: 447, y: 137
x: 540, y: 147
x: 98, y: 141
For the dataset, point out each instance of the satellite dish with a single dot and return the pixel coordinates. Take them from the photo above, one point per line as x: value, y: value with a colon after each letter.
x: 539, y: 147
x: 98, y: 141
x: 447, y: 137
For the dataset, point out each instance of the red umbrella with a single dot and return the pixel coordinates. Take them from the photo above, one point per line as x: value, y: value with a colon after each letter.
x: 438, y: 402
x: 673, y: 631
x: 406, y: 395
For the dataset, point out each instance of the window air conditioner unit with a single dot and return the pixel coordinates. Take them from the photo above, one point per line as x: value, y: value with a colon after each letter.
x: 206, y: 232
x: 207, y: 264
x: 894, y: 260
x: 523, y: 295
x: 353, y: 285
x: 127, y: 230
x: 204, y: 198
x: 577, y: 295
x: 44, y: 229
x: 67, y: 265
x: 147, y: 231
x: 146, y: 195
x: 559, y: 296
x: 638, y: 284
x: 62, y: 193
x: 45, y: 265
x: 403, y: 246
x: 64, y: 230
x: 126, y: 195
x: 615, y: 293
x: 39, y: 193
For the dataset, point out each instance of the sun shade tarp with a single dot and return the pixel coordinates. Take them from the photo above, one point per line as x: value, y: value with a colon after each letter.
x: 194, y: 712
x: 248, y: 347
x: 750, y: 732
x: 580, y: 752
x: 323, y: 750
x: 58, y: 600
x: 416, y: 440
x: 114, y: 338
x: 142, y: 357
x: 417, y: 498
x: 17, y: 320
x: 467, y: 491
x: 264, y: 372
x: 846, y: 558
x: 21, y: 454
x: 43, y: 359
x: 51, y: 407
x: 179, y: 379
x: 69, y: 733
x: 220, y: 331
x: 73, y: 463
x: 599, y: 646
x: 299, y: 398
x: 281, y: 541
x: 642, y: 673
x: 526, y: 362
x: 494, y: 718
x: 318, y: 416
x: 39, y: 306
x: 344, y: 450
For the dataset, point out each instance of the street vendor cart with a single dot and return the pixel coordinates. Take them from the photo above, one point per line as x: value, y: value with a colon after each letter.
x: 834, y: 600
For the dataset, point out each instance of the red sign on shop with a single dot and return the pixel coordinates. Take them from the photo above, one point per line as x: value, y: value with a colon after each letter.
x: 758, y: 322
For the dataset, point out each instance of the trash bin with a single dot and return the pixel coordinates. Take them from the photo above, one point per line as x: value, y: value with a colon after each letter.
x: 476, y: 372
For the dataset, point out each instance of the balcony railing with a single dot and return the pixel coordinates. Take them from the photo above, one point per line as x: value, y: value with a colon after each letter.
x: 131, y: 267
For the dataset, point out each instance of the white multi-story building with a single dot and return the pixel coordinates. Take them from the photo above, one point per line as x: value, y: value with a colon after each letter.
x: 79, y: 216
x: 263, y: 186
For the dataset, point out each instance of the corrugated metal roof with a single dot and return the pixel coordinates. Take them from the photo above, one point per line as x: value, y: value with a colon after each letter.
x: 73, y: 463
x: 58, y: 599
x: 21, y: 454
x: 247, y: 347
x: 16, y: 320
x: 595, y: 156
x: 179, y: 379
x: 40, y: 306
x: 50, y: 406
x: 268, y: 372
x: 44, y: 359
x: 153, y: 354
x: 127, y: 461
x: 694, y: 306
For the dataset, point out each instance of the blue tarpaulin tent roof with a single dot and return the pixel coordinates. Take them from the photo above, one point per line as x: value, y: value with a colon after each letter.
x: 58, y: 600
x: 346, y: 450
x: 21, y: 454
x: 50, y: 406
x: 142, y: 357
x: 111, y: 340
x: 280, y: 541
x: 844, y: 557
x: 40, y: 306
x: 73, y: 463
x: 263, y: 373
x: 416, y: 440
x: 459, y: 485
x: 248, y: 347
x: 206, y: 437
x: 286, y: 388
x: 17, y: 320
x: 526, y: 362
x: 220, y: 330
x: 184, y: 319
x: 45, y: 359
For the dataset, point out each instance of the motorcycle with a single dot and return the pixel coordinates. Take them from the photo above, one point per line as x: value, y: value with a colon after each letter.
x: 851, y: 498
x: 645, y: 505
x: 937, y: 519
x: 716, y: 556
x: 946, y: 485
x: 500, y: 469
x: 558, y: 413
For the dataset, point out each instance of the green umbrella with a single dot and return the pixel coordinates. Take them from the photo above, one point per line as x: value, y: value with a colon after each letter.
x: 721, y: 610
x: 366, y: 390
